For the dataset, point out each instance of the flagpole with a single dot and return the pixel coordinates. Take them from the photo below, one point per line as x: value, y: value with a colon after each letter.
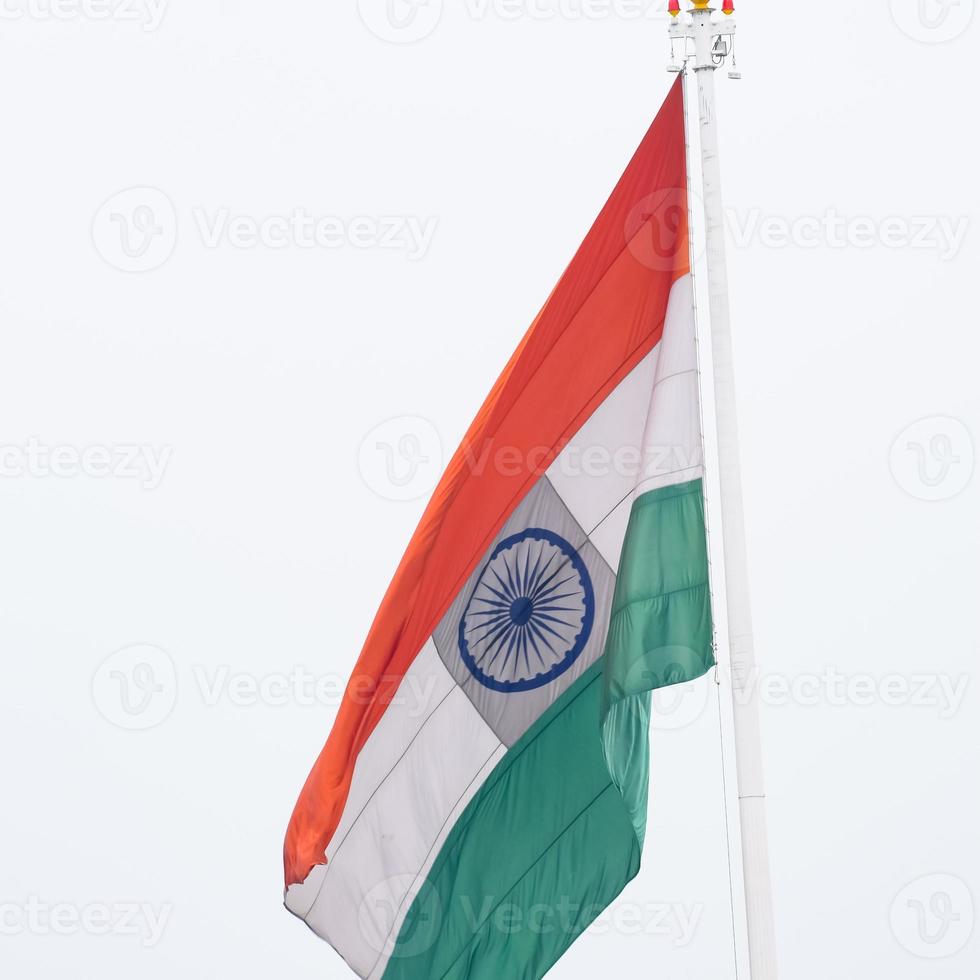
x: 712, y: 44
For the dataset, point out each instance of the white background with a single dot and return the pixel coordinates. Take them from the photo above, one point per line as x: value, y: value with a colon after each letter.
x: 258, y: 372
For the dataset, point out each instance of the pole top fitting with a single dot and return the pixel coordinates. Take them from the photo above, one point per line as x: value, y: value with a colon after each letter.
x: 706, y: 42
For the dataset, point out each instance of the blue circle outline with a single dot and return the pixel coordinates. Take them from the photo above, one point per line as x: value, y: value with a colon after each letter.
x: 531, y: 684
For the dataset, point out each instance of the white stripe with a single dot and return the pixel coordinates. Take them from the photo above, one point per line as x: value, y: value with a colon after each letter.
x: 375, y: 865
x: 425, y: 684
x: 599, y: 466
x: 423, y: 688
x: 646, y: 435
x: 672, y: 446
x: 420, y: 878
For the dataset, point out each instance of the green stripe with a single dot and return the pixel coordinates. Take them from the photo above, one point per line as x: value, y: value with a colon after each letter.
x: 544, y: 847
x: 660, y: 631
x: 555, y: 833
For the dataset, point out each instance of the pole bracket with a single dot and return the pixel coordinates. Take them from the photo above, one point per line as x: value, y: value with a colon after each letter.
x: 704, y: 42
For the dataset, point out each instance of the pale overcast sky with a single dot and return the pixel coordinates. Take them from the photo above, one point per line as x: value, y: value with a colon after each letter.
x: 227, y: 522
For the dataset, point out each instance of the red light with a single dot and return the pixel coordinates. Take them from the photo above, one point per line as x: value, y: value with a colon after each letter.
x: 728, y: 7
x: 674, y: 7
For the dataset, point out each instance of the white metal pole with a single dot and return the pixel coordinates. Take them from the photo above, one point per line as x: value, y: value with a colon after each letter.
x: 748, y: 745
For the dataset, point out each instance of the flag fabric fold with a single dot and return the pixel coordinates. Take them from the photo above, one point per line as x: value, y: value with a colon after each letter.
x: 490, y: 757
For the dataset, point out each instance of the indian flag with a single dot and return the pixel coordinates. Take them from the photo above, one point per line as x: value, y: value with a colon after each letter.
x: 492, y: 746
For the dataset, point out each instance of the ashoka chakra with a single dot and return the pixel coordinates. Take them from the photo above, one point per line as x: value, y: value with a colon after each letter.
x: 530, y: 614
